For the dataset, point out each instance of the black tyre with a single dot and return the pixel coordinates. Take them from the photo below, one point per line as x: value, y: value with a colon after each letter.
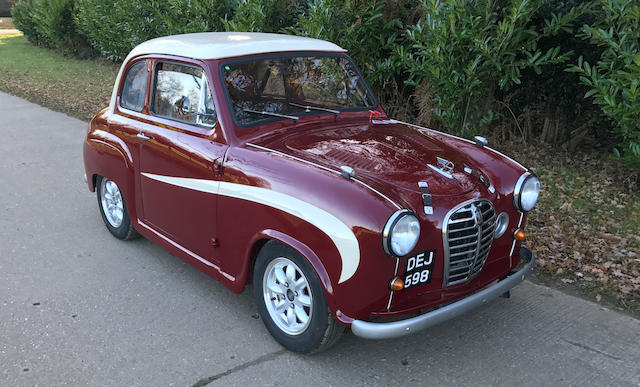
x: 113, y: 209
x: 291, y: 300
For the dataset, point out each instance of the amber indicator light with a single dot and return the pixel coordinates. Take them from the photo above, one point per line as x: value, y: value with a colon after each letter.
x: 397, y: 284
x: 519, y: 235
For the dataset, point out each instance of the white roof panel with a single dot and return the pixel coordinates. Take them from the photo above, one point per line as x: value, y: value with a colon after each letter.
x: 215, y: 45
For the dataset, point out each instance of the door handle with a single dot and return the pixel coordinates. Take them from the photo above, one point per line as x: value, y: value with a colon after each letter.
x: 142, y: 136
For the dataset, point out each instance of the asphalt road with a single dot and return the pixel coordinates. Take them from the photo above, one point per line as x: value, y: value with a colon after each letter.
x: 78, y: 307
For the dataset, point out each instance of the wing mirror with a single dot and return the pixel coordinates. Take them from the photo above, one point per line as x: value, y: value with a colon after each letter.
x: 184, y: 105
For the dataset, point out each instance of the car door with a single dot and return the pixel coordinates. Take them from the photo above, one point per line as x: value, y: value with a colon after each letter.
x: 180, y: 160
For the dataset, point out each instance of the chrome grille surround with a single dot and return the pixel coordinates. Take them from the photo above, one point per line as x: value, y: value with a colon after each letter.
x: 467, y: 235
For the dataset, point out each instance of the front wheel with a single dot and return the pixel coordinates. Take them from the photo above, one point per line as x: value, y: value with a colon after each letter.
x: 291, y: 300
x: 113, y: 209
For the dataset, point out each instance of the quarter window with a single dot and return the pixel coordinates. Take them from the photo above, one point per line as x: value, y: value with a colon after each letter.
x: 182, y: 93
x: 135, y: 87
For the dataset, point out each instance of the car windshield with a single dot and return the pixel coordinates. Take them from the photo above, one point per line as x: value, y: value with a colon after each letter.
x: 291, y: 86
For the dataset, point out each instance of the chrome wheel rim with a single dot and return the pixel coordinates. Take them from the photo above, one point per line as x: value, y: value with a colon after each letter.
x: 288, y: 296
x: 111, y: 201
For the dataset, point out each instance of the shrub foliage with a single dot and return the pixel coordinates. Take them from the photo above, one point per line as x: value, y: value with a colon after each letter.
x: 614, y: 79
x: 466, y: 66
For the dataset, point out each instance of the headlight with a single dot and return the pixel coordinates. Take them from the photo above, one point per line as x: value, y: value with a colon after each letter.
x: 526, y: 192
x: 401, y: 233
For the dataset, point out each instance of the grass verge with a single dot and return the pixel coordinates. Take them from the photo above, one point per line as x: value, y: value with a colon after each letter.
x: 585, y: 229
x: 77, y: 87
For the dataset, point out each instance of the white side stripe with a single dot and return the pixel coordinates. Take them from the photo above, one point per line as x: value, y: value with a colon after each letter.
x: 341, y: 235
x: 202, y: 185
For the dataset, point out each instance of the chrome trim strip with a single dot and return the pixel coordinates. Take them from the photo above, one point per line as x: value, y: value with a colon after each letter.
x: 390, y: 330
x: 323, y: 167
x: 513, y: 245
x: 506, y: 157
x: 391, y: 291
x: 191, y: 253
x: 378, y: 192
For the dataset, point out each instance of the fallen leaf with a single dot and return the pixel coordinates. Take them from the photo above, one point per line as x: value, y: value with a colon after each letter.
x: 610, y: 237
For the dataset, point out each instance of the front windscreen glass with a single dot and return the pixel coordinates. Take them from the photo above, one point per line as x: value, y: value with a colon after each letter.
x: 292, y: 86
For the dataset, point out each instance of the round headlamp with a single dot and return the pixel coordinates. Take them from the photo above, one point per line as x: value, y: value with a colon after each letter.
x: 401, y: 233
x: 526, y: 192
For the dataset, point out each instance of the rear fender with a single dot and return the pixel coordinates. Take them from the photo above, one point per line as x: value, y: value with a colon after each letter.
x: 107, y: 155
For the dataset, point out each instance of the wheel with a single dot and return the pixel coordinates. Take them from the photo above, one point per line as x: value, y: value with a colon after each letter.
x: 291, y: 300
x: 114, y: 210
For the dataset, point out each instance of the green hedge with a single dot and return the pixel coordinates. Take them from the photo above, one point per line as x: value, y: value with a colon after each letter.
x: 50, y: 23
x: 466, y: 66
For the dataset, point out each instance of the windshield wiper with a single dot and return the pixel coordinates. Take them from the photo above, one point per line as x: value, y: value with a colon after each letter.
x: 294, y: 118
x: 308, y: 108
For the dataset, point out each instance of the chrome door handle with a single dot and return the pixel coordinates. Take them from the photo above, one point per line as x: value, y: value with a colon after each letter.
x: 143, y: 137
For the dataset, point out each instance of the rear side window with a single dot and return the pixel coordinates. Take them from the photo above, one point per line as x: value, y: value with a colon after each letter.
x: 135, y: 87
x: 182, y: 93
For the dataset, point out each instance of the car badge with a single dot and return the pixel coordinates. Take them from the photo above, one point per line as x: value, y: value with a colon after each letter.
x: 445, y: 167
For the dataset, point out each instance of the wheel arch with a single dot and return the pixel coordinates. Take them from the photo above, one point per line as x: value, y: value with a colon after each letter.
x: 106, y: 158
x: 266, y: 236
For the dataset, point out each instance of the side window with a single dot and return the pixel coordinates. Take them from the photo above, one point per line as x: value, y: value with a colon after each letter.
x: 135, y: 87
x: 182, y: 93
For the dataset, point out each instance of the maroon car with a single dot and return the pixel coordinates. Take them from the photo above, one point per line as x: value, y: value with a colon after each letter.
x: 266, y: 158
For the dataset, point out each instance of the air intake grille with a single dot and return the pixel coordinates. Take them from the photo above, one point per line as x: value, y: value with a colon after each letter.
x: 468, y: 235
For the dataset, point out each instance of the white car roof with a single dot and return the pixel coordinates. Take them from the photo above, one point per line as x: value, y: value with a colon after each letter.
x: 217, y: 45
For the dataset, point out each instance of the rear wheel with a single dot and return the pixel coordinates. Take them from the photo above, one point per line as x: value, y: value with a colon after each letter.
x: 291, y: 300
x: 114, y: 210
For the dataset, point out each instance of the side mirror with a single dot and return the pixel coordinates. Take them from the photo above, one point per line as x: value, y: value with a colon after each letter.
x: 184, y: 105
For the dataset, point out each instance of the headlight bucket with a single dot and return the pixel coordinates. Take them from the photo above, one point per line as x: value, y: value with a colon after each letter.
x: 401, y: 233
x: 526, y: 192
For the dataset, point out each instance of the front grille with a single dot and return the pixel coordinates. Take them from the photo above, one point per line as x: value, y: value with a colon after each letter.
x: 468, y: 235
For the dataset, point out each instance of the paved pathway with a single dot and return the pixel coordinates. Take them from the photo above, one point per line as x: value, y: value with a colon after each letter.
x: 79, y: 307
x: 8, y: 31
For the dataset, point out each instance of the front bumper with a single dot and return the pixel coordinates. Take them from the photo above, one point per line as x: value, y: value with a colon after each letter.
x: 371, y: 330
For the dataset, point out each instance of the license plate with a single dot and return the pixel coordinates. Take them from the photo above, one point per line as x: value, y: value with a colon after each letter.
x: 419, y: 269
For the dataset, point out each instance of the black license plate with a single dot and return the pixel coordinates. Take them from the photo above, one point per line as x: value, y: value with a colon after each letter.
x: 419, y: 269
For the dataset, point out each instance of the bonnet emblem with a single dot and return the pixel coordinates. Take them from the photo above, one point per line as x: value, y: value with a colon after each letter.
x: 445, y: 167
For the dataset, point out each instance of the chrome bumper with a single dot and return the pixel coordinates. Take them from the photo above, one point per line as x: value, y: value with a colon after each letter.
x: 370, y: 330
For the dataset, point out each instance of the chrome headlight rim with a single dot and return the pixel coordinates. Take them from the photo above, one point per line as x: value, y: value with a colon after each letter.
x: 388, y: 230
x: 517, y: 192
